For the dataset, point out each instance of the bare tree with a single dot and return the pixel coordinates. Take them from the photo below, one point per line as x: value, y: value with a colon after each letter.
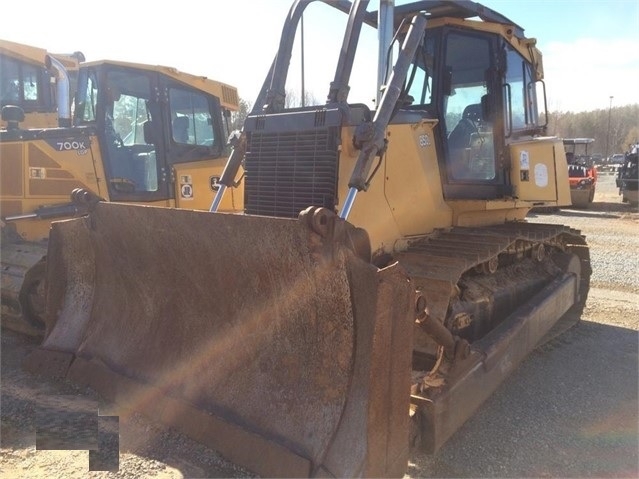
x: 238, y: 117
x: 293, y: 99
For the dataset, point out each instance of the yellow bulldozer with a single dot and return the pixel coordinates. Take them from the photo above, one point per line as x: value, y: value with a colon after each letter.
x: 382, y: 280
x: 39, y: 82
x: 141, y: 134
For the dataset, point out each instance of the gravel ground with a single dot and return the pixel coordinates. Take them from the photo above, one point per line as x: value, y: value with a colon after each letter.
x: 145, y: 450
x: 612, y: 231
x: 570, y: 410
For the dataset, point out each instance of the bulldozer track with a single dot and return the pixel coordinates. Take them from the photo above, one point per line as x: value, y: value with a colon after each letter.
x: 447, y: 255
x: 438, y: 262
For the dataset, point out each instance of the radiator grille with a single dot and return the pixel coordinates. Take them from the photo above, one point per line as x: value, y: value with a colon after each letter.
x: 288, y: 171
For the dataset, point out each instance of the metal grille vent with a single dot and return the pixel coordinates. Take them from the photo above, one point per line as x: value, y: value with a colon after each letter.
x: 286, y: 172
x: 229, y: 95
x: 320, y: 118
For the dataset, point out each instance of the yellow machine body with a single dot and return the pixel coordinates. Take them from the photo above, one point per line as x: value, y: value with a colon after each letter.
x: 378, y: 285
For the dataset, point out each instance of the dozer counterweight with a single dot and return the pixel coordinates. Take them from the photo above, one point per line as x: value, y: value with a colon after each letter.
x: 383, y: 279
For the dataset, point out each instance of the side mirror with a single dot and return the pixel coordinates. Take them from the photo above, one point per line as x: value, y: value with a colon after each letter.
x: 13, y: 115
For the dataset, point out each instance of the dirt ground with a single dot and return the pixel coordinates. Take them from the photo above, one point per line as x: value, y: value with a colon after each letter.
x: 570, y: 410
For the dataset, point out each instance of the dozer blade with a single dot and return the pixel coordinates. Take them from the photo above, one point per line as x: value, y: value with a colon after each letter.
x: 267, y: 339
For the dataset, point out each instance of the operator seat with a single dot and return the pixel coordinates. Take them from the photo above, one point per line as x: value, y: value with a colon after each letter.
x: 181, y: 129
x: 469, y: 124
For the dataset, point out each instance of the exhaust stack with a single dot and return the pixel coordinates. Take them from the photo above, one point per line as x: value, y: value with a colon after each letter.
x: 63, y: 92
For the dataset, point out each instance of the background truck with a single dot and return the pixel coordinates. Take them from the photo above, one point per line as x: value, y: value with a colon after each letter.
x: 382, y: 280
x: 141, y: 134
x: 582, y: 172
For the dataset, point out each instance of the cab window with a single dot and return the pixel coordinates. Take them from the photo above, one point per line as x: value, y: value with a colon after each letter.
x: 191, y: 121
x: 469, y: 136
x: 520, y: 94
x: 21, y: 84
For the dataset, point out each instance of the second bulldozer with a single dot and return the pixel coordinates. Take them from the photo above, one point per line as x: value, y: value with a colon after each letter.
x: 143, y: 134
x: 383, y: 279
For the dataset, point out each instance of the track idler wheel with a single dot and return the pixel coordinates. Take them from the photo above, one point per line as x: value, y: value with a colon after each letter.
x: 539, y: 252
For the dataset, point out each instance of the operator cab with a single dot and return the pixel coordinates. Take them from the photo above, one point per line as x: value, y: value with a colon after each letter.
x: 147, y: 121
x: 485, y: 94
x: 472, y: 89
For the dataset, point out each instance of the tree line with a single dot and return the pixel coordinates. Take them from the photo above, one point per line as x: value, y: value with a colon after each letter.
x: 614, y: 129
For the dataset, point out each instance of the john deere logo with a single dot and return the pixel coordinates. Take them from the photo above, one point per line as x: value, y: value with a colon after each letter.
x: 186, y: 191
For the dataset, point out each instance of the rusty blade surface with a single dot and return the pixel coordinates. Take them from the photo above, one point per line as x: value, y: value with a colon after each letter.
x: 279, y: 334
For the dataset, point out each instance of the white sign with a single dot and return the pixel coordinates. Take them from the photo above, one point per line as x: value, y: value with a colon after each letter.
x: 541, y: 175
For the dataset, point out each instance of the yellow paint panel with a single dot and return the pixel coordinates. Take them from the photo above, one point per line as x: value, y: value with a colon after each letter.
x: 413, y: 185
x: 11, y: 170
x: 25, y: 187
x: 55, y: 174
x: 36, y: 120
x: 539, y: 170
x: 193, y: 186
x: 405, y: 197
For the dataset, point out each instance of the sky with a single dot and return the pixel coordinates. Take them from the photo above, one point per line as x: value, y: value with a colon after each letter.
x: 590, y: 47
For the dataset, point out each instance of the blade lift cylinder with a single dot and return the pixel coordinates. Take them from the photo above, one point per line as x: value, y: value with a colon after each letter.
x: 376, y: 144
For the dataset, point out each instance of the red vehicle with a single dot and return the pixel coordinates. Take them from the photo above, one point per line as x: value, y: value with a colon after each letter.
x: 582, y: 173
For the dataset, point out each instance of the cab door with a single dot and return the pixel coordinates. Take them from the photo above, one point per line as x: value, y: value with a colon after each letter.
x: 129, y: 117
x: 195, y: 142
x: 468, y: 95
